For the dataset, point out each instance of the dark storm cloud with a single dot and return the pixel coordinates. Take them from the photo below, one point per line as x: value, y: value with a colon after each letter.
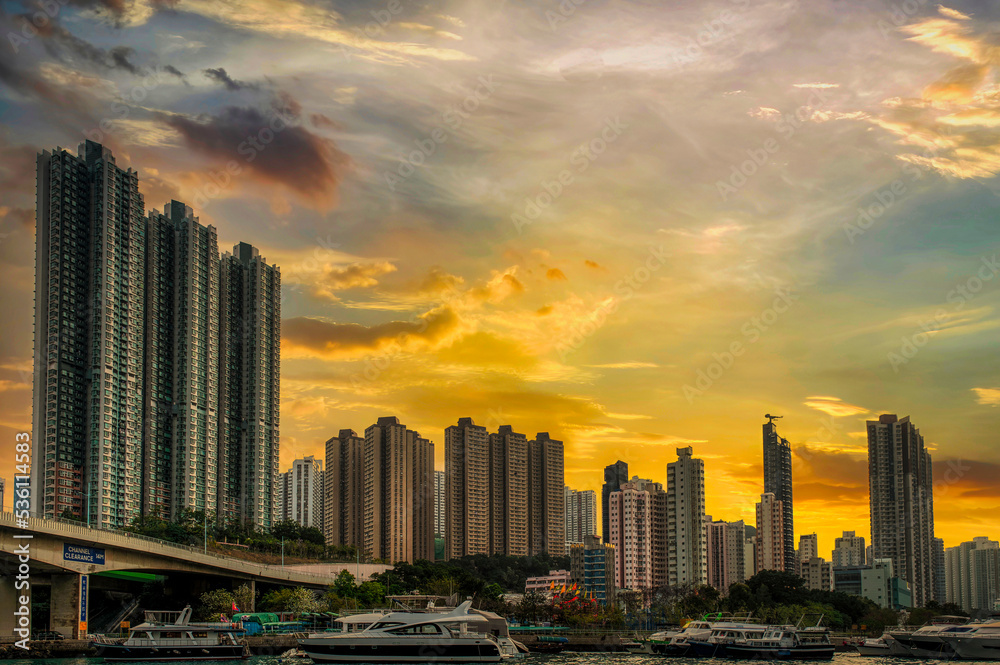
x: 273, y: 144
x: 220, y: 75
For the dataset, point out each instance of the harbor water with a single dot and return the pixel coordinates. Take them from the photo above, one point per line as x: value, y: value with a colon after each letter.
x: 565, y: 658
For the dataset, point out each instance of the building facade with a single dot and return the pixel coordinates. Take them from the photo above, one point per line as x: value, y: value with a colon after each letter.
x: 343, y: 494
x: 546, y: 497
x: 630, y: 520
x: 592, y: 565
x: 615, y: 475
x: 301, y: 493
x: 726, y: 551
x: 817, y: 572
x: 687, y: 553
x: 848, y: 550
x: 508, y: 480
x: 132, y: 384
x: 440, y: 515
x: 581, y: 514
x: 972, y: 574
x: 807, y: 549
x: 467, y: 489
x: 778, y: 481
x: 902, y: 502
x: 770, y: 540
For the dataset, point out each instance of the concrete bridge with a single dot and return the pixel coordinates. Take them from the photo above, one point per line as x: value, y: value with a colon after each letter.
x: 68, y: 555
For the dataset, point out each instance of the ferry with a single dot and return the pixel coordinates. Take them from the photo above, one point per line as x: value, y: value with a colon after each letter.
x: 165, y: 636
x: 784, y: 643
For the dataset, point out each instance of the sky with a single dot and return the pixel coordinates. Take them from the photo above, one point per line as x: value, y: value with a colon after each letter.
x: 634, y: 225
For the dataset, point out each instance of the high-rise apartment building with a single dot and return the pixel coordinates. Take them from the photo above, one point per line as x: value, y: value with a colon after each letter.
x: 725, y: 544
x: 581, y: 514
x: 467, y: 489
x: 817, y: 572
x: 143, y: 346
x: 440, y: 519
x: 249, y: 383
x: 301, y: 493
x: 546, y: 498
x: 848, y: 550
x: 778, y: 481
x: 770, y: 552
x: 687, y: 553
x: 508, y: 479
x: 344, y: 487
x: 89, y: 327
x: 972, y: 574
x: 630, y: 522
x: 615, y: 475
x: 658, y: 527
x: 940, y: 583
x: 808, y: 548
x: 902, y: 502
x: 181, y: 392
x: 398, y: 498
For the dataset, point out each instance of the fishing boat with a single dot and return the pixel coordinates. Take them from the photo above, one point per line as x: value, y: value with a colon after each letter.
x: 784, y: 643
x: 165, y: 636
x: 412, y: 636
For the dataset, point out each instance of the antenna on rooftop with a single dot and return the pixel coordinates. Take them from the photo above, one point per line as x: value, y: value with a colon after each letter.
x: 770, y: 418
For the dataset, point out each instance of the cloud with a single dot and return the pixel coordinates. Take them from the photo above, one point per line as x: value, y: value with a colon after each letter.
x: 305, y: 337
x: 987, y: 396
x: 953, y: 13
x: 627, y: 365
x: 816, y: 86
x: 555, y: 273
x: 221, y: 76
x: 354, y: 276
x: 834, y: 406
x: 309, y: 165
x: 593, y: 264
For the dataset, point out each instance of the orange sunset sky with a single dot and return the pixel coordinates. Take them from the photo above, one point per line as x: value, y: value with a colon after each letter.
x: 568, y: 217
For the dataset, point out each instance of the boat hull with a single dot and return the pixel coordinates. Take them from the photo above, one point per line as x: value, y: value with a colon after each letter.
x: 884, y: 650
x: 818, y: 652
x: 119, y: 653
x: 970, y: 648
x: 465, y: 650
x: 700, y: 649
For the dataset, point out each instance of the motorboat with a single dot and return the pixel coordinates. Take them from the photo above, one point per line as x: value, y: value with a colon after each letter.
x: 725, y: 633
x: 784, y: 643
x: 980, y: 643
x: 875, y: 646
x: 656, y: 643
x: 680, y: 644
x: 412, y: 636
x: 165, y: 636
x: 928, y: 641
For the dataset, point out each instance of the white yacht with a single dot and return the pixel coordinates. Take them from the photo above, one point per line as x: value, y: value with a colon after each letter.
x: 412, y: 636
x: 928, y: 641
x: 680, y: 644
x: 877, y: 646
x: 657, y: 643
x: 980, y: 643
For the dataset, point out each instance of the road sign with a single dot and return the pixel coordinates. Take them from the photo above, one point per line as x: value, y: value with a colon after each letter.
x: 126, y: 624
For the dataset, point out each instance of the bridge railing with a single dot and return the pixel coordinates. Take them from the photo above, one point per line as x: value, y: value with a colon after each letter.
x: 116, y: 536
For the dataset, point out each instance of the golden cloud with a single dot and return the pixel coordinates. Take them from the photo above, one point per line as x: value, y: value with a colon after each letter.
x: 987, y: 396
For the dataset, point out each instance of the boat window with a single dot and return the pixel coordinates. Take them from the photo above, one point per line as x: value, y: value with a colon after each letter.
x: 174, y: 635
x: 420, y: 629
x: 380, y: 625
x: 199, y: 634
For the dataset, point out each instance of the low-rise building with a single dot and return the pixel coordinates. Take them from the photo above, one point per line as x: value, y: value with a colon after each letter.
x: 592, y: 566
x: 548, y: 584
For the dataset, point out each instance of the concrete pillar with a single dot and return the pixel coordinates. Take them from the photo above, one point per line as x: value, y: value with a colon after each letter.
x: 10, y: 602
x: 253, y: 596
x: 67, y: 613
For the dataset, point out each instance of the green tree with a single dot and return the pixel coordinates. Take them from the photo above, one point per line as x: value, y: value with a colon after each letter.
x: 215, y: 602
x: 297, y: 600
x: 243, y: 596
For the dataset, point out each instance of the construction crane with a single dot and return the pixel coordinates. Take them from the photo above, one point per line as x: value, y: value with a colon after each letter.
x: 770, y: 418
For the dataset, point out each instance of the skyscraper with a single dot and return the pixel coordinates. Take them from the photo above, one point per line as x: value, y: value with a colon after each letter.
x: 726, y: 552
x: 467, y: 489
x: 630, y: 525
x: 615, y: 475
x: 687, y: 553
x: 89, y: 328
x: 778, y: 481
x: 440, y: 515
x: 344, y: 487
x: 398, y: 509
x: 181, y: 392
x: 249, y: 382
x: 508, y: 517
x: 581, y: 514
x: 770, y: 553
x: 902, y: 502
x: 302, y: 493
x: 156, y: 386
x: 848, y: 550
x: 940, y: 583
x: 546, y: 500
